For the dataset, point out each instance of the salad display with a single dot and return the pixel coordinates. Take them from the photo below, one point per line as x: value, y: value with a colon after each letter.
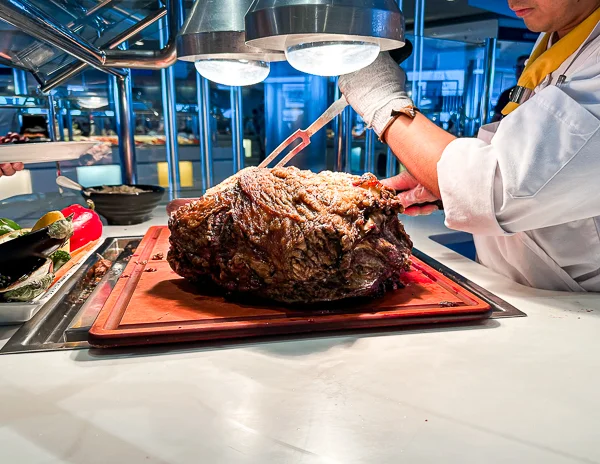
x: 32, y: 260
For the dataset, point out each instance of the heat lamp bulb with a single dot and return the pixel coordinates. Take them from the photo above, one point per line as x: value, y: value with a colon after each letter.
x: 331, y: 58
x: 93, y: 103
x: 234, y: 72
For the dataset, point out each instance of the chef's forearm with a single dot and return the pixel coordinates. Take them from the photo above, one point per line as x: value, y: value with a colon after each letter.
x: 418, y: 144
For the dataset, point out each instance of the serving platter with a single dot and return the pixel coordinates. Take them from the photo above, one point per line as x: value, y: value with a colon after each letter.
x: 43, y: 152
x: 12, y: 313
x: 151, y: 304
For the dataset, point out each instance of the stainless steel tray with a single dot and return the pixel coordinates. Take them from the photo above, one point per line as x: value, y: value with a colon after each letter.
x: 61, y: 323
x: 500, y: 308
x: 64, y: 322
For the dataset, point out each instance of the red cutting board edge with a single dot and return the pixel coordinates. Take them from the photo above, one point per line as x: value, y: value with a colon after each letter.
x: 158, y: 306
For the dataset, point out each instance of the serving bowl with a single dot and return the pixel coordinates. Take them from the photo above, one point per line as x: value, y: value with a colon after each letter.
x: 125, y: 208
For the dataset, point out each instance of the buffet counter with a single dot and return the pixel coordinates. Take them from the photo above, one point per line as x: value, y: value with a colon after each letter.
x: 520, y: 390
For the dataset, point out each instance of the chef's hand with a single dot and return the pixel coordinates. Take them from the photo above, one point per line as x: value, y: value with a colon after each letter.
x: 9, y: 169
x: 174, y: 205
x: 378, y: 93
x: 415, y: 198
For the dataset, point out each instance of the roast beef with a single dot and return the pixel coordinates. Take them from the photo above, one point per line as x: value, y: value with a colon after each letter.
x: 293, y: 236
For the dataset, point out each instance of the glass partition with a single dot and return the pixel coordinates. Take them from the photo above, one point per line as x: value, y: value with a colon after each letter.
x: 451, y: 84
x: 507, y: 60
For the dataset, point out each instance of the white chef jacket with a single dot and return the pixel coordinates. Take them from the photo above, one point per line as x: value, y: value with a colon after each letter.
x: 528, y: 188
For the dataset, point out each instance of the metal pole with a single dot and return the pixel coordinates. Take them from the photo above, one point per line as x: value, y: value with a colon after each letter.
x: 418, y: 51
x: 195, y: 124
x: 52, y: 132
x: 369, y: 150
x: 69, y: 124
x: 20, y: 79
x: 488, y: 81
x: 340, y: 160
x: 343, y: 137
x: 61, y: 122
x: 75, y: 69
x: 35, y: 48
x: 206, y: 162
x: 178, y: 10
x: 472, y: 97
x: 151, y: 59
x: 128, y: 15
x: 348, y: 138
x: 112, y: 94
x: 167, y: 77
x: 51, y: 118
x: 28, y: 17
x: 125, y: 126
x: 340, y: 165
x: 391, y: 165
x: 89, y: 12
x: 237, y: 128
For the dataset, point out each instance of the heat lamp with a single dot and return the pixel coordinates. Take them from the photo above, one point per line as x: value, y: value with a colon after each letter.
x: 325, y: 37
x: 213, y: 37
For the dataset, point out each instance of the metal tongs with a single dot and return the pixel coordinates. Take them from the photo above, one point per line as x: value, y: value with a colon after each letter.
x: 399, y: 55
x: 305, y: 134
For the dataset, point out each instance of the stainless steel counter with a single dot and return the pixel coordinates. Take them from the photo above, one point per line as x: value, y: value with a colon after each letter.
x: 519, y: 390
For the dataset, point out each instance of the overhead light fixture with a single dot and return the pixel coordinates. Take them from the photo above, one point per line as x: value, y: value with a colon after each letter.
x: 213, y: 38
x: 326, y: 37
x: 234, y: 72
x: 92, y: 102
x: 331, y: 58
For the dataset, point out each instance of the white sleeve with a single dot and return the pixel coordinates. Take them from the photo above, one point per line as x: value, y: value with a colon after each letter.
x: 541, y: 169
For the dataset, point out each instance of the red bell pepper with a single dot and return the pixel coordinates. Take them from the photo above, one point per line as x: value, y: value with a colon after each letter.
x: 87, y: 225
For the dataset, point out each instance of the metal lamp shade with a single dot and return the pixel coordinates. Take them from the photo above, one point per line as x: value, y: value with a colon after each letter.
x: 270, y: 23
x: 214, y: 29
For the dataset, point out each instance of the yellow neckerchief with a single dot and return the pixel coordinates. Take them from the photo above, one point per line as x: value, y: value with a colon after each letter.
x: 544, y: 61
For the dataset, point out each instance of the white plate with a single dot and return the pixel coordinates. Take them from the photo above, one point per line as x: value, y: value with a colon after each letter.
x: 20, y: 312
x: 43, y: 152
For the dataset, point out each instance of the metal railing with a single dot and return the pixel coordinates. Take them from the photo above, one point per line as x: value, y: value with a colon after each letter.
x: 26, y: 16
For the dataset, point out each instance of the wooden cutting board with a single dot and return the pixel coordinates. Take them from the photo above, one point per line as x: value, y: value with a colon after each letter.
x: 151, y: 304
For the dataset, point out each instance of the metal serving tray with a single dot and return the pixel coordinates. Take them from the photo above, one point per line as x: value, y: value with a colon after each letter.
x: 501, y: 309
x: 64, y: 322
x: 59, y: 324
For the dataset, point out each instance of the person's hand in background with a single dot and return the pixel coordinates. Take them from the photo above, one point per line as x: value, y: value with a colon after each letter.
x: 416, y: 199
x: 9, y: 169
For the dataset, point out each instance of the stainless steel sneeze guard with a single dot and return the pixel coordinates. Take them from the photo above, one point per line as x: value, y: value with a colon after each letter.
x: 71, y: 71
x: 28, y: 17
x: 42, y: 33
x: 63, y: 323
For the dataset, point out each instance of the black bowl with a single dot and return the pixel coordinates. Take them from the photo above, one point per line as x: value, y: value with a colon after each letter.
x: 126, y: 208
